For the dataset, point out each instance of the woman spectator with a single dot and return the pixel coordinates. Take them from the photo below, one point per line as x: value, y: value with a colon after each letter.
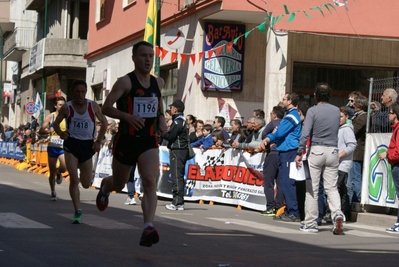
x: 168, y: 118
x: 191, y: 119
x: 194, y: 136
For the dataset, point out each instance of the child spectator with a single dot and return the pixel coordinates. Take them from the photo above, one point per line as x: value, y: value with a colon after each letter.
x: 206, y: 141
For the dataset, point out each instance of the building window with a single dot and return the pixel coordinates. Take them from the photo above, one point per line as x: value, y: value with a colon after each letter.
x: 127, y: 3
x: 98, y: 93
x: 169, y: 75
x: 343, y: 79
x: 100, y: 10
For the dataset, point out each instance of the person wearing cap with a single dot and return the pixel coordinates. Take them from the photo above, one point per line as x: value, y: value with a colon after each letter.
x: 178, y: 142
x: 139, y: 109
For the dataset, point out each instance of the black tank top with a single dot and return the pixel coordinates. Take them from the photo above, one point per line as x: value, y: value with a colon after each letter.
x: 144, y: 102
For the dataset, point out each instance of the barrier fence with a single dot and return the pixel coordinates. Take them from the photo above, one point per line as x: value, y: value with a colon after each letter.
x: 220, y: 176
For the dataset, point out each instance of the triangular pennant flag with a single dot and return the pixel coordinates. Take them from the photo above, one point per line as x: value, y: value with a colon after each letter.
x: 210, y: 52
x: 192, y: 56
x: 164, y: 53
x: 200, y: 56
x: 158, y: 51
x: 277, y: 45
x: 183, y: 58
x: 218, y: 50
x: 291, y: 18
x: 236, y: 39
x: 173, y: 57
x: 229, y: 46
x: 283, y: 63
x: 198, y: 78
x: 247, y: 33
x: 262, y: 27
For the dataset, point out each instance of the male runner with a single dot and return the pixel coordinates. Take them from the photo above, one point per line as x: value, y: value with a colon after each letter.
x: 79, y: 145
x: 55, y: 148
x: 139, y: 108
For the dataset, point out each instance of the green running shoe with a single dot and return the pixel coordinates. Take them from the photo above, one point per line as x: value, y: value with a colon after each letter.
x: 77, y: 217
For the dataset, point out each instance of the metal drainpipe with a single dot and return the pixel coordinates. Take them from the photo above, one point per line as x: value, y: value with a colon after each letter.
x: 42, y: 111
x: 1, y: 73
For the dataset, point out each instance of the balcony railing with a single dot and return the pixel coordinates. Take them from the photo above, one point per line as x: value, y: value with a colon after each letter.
x: 20, y: 39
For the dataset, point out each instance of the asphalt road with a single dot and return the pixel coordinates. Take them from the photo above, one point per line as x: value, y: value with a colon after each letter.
x: 35, y: 231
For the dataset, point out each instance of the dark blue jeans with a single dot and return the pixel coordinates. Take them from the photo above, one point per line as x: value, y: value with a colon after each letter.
x: 287, y: 184
x: 395, y: 177
x: 270, y: 178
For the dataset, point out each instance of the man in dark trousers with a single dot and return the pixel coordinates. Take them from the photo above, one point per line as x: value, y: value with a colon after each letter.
x: 177, y: 137
x: 270, y: 166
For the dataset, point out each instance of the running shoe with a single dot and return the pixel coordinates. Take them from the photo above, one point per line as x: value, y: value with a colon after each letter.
x: 53, y: 196
x: 174, y: 207
x: 149, y: 237
x: 313, y: 228
x: 102, y: 199
x: 394, y: 229
x: 77, y: 217
x: 130, y: 201
x: 338, y: 224
x: 270, y: 212
x: 59, y: 178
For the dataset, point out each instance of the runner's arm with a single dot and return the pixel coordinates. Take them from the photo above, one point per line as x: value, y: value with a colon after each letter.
x: 45, y: 129
x: 62, y: 114
x: 120, y: 89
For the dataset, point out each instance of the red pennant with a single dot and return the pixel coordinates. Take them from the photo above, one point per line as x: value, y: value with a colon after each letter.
x: 173, y: 57
x: 200, y: 55
x: 164, y: 53
x: 218, y: 50
x: 157, y: 51
x: 183, y: 58
x: 229, y: 46
x: 192, y: 56
x: 210, y: 52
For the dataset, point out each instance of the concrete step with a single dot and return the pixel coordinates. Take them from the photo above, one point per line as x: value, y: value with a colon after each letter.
x: 375, y: 216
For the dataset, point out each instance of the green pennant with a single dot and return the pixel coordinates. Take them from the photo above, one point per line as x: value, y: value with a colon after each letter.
x: 286, y: 10
x: 332, y: 6
x: 246, y: 34
x: 307, y: 15
x: 326, y: 6
x: 237, y: 38
x: 292, y: 17
x: 262, y: 27
x: 317, y: 8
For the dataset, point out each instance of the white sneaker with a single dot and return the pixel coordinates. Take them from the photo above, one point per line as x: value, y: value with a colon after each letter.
x: 130, y: 201
x: 173, y: 207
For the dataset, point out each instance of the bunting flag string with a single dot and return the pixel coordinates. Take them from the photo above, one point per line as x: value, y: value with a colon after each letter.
x: 270, y: 21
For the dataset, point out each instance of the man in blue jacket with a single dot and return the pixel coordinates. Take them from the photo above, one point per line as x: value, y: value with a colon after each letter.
x: 287, y: 141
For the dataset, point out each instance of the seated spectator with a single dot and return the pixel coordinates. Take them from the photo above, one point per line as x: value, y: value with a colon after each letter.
x: 205, y: 142
x: 197, y: 134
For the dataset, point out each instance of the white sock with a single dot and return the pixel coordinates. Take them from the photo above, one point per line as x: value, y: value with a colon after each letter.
x: 148, y: 224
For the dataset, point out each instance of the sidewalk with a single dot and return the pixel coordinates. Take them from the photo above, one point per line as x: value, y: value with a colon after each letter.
x: 376, y: 216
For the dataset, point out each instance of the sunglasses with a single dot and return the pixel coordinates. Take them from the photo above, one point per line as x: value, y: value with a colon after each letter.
x: 351, y: 100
